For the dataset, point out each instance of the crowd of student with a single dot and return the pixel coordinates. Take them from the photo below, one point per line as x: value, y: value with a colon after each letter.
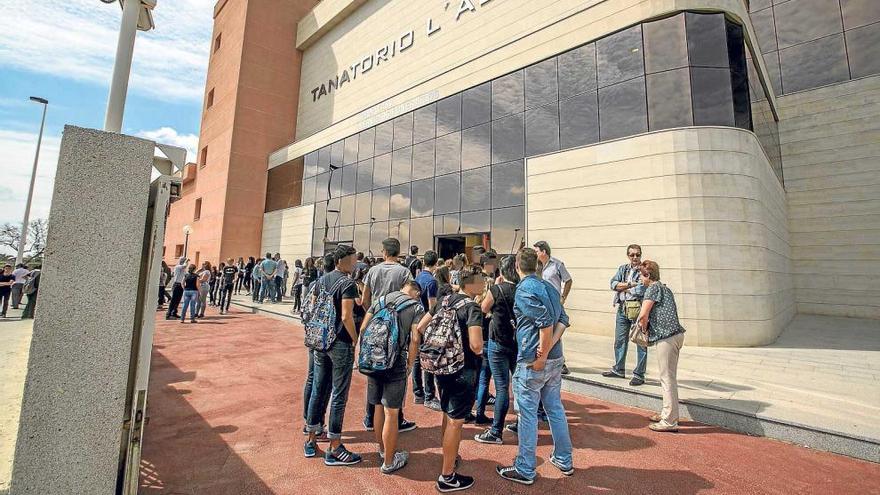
x: 17, y: 283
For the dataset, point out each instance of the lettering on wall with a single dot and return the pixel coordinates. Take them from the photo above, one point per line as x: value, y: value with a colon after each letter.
x: 385, y: 54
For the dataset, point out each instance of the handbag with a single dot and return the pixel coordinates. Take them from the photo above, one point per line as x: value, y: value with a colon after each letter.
x: 631, y: 309
x: 638, y: 335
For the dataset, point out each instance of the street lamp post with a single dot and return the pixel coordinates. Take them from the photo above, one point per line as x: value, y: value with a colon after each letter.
x: 187, y: 230
x: 27, y: 209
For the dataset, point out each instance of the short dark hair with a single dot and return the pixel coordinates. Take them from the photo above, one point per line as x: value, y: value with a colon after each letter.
x: 412, y: 283
x: 360, y: 256
x: 469, y: 274
x: 413, y: 250
x: 543, y: 246
x: 634, y: 246
x: 508, y: 269
x: 431, y: 258
x: 391, y: 246
x: 329, y: 262
x: 343, y: 251
x: 488, y: 258
x: 527, y: 260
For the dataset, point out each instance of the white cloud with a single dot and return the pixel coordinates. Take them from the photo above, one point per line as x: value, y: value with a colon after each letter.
x: 18, y: 154
x: 168, y: 135
x: 77, y: 39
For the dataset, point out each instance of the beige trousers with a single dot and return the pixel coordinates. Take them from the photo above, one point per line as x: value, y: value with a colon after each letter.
x: 667, y: 357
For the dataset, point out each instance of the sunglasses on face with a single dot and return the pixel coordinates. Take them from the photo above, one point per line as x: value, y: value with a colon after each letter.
x: 635, y: 255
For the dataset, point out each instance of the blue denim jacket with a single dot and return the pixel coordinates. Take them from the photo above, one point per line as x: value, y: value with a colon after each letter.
x: 536, y: 305
x: 620, y: 276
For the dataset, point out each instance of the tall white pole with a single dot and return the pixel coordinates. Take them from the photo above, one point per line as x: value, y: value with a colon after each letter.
x: 122, y: 66
x: 27, y: 208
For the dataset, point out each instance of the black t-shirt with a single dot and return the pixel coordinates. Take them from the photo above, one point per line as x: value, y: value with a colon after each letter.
x: 309, y: 276
x: 190, y: 281
x: 413, y: 264
x: 347, y: 290
x: 229, y: 274
x: 470, y: 315
x: 500, y: 329
x: 6, y: 278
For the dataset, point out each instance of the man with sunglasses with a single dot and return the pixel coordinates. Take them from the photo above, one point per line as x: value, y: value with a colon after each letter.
x: 628, y: 293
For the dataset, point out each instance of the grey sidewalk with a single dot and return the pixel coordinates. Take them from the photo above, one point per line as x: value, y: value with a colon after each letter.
x: 15, y: 341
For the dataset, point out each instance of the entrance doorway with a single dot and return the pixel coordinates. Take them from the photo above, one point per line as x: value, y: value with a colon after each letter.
x: 449, y: 245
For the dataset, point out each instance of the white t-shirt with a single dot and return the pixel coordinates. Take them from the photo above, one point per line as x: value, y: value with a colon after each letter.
x: 20, y: 275
x: 281, y: 270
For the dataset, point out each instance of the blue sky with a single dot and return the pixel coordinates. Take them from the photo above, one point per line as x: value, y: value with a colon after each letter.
x: 63, y: 50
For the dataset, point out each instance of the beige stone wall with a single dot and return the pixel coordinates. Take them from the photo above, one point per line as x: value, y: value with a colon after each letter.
x: 830, y: 141
x: 289, y: 232
x: 498, y: 37
x: 703, y: 203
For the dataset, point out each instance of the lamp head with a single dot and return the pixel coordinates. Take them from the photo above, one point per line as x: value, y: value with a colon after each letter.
x: 39, y: 100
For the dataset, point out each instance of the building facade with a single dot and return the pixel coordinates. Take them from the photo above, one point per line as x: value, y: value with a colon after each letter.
x: 737, y: 142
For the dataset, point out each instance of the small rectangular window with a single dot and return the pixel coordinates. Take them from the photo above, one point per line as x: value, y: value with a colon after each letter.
x: 217, y: 41
x: 210, y: 100
x: 203, y: 157
x: 198, y: 211
x: 178, y: 250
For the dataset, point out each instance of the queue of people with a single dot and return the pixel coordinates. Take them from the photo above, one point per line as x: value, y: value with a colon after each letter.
x: 17, y: 283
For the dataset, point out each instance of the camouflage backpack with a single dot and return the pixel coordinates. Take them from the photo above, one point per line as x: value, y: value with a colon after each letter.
x: 321, y: 325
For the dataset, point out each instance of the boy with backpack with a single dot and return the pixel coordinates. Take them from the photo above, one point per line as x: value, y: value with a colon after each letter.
x: 386, y: 354
x: 451, y: 347
x: 330, y: 333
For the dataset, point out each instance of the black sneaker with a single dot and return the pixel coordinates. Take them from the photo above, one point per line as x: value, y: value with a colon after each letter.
x: 454, y: 483
x: 488, y: 437
x: 566, y: 471
x: 636, y: 381
x: 510, y: 473
x: 491, y: 400
x: 405, y: 426
x: 341, y: 456
x: 613, y: 374
x: 513, y: 428
x: 482, y: 420
x: 469, y: 418
x: 419, y: 400
x: 368, y: 426
x: 565, y: 370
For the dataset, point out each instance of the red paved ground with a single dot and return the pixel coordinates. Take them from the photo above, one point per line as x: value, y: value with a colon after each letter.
x: 225, y: 417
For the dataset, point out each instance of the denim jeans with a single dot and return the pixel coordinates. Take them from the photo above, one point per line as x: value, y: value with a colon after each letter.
x: 255, y: 290
x: 332, y: 371
x: 191, y: 301
x: 621, y: 342
x: 267, y: 289
x: 279, y: 286
x: 308, y: 390
x: 423, y: 382
x: 502, y: 362
x: 483, y: 386
x: 530, y: 387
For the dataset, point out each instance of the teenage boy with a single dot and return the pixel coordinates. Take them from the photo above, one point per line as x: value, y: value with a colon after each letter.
x: 538, y: 375
x: 457, y: 390
x: 423, y: 382
x: 333, y: 366
x: 176, y: 288
x: 412, y: 262
x: 386, y: 392
x: 382, y: 279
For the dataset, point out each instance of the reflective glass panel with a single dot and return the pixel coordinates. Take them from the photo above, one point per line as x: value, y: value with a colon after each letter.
x: 344, y: 234
x: 707, y: 40
x: 380, y: 207
x: 311, y: 164
x: 349, y: 179
x: 366, y: 141
x: 541, y: 86
x: 814, y: 64
x: 351, y: 149
x: 475, y: 146
x: 508, y: 184
x: 318, y: 242
x: 400, y: 202
x: 422, y: 198
x: 619, y: 56
x: 622, y: 109
x: 320, y: 215
x: 508, y: 95
x: 322, y: 188
x: 336, y: 182
x: 403, y: 131
x: 378, y: 233
x: 362, y: 238
x: 669, y: 99
x: 337, y: 151
x: 399, y: 229
x: 508, y: 138
x: 806, y: 20
x: 508, y: 229
x: 862, y: 44
x: 665, y: 44
x: 446, y: 224
x: 424, y: 123
x: 449, y: 114
x: 475, y: 221
x: 448, y: 153
x: 542, y: 129
x: 577, y: 71
x: 362, y: 208
x: 476, y: 105
x: 423, y: 160
x: 401, y: 166
x: 365, y: 176
x: 346, y: 210
x: 308, y: 194
x: 859, y: 13
x: 384, y: 138
x: 421, y: 232
x: 712, y: 96
x: 475, y: 189
x: 382, y: 171
x: 324, y: 159
x: 446, y: 193
x: 579, y: 120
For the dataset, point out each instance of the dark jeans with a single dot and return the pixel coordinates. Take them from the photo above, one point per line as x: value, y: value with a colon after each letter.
x: 297, y: 297
x: 255, y: 289
x: 502, y: 361
x: 30, y: 306
x: 239, y: 281
x: 423, y: 382
x: 308, y: 390
x: 5, y: 296
x: 333, y: 376
x: 483, y: 386
x: 176, y: 296
x: 621, y: 342
x: 225, y: 297
x: 279, y: 284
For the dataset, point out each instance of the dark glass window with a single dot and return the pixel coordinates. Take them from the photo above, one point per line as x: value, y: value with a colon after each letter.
x: 337, y: 152
x: 349, y: 179
x: 320, y: 216
x: 542, y: 129
x: 619, y: 56
x: 669, y: 99
x: 742, y: 107
x: 346, y: 210
x: 335, y: 183
x: 712, y: 96
x: 380, y: 207
x: 366, y: 141
x: 508, y: 229
x: 449, y: 114
x: 318, y: 241
x: 384, y: 138
x: 806, y: 20
x: 401, y: 166
x: 814, y: 64
x: 859, y: 13
x: 322, y: 188
x: 765, y: 29
x: 448, y: 153
x: 310, y: 164
x: 622, y: 109
x: 707, y: 40
x: 422, y: 198
x: 378, y: 233
x: 399, y: 229
x: 665, y: 44
x: 351, y: 150
x: 403, y: 131
x: 333, y: 213
x: 508, y: 95
x: 421, y: 232
x: 508, y: 184
x: 579, y: 120
x: 423, y: 160
x: 400, y: 202
x: 475, y: 146
x: 577, y: 71
x: 541, y: 83
x: 508, y: 139
x: 308, y: 194
x: 365, y: 176
x: 362, y: 208
x: 475, y: 189
x: 424, y: 123
x: 324, y: 159
x: 475, y: 221
x: 476, y: 105
x: 382, y: 171
x: 446, y: 224
x: 862, y: 44
x: 362, y: 238
x: 446, y: 193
